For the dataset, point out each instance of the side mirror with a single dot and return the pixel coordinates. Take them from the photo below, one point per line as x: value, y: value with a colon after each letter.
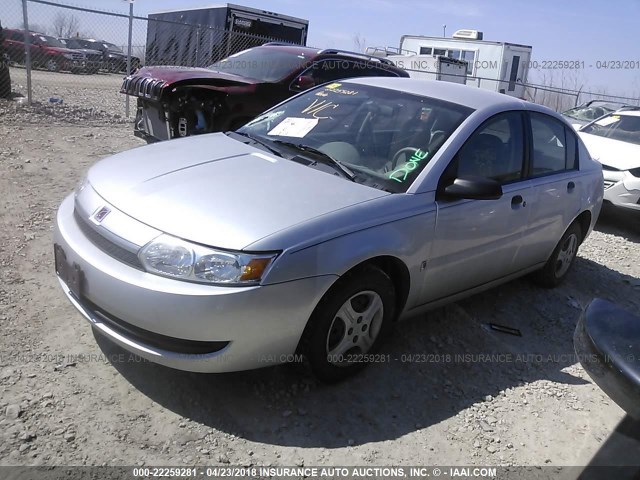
x: 303, y: 82
x: 475, y: 188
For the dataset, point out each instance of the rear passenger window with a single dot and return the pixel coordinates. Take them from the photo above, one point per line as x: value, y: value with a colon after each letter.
x: 554, y: 146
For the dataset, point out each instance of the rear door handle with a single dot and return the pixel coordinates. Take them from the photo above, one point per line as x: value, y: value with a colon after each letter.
x: 570, y: 186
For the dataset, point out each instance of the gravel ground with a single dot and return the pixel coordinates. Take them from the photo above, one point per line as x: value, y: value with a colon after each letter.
x: 68, y: 396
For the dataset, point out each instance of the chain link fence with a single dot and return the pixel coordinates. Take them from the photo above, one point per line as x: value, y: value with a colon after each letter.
x: 106, y: 45
x: 103, y: 47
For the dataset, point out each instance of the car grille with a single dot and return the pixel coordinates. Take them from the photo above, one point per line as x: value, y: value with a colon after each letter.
x: 608, y: 184
x: 142, y: 87
x: 106, y: 245
x: 78, y: 56
x: 152, y: 339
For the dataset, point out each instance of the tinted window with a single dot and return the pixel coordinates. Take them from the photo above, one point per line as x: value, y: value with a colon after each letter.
x: 426, y: 50
x: 625, y: 128
x: 19, y: 37
x: 495, y: 150
x: 550, y: 153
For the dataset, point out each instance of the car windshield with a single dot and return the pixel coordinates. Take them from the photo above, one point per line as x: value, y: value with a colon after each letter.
x: 72, y: 43
x: 112, y: 48
x: 385, y: 137
x: 590, y: 112
x: 625, y: 128
x: 51, y: 41
x: 264, y: 64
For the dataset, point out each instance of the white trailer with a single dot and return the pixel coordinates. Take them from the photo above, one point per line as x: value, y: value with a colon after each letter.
x: 497, y: 66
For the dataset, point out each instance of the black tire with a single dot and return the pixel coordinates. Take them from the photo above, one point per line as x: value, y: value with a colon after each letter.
x: 556, y: 269
x: 361, y: 288
x: 52, y: 65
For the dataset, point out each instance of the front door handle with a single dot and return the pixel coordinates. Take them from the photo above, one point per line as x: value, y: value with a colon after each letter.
x: 518, y: 200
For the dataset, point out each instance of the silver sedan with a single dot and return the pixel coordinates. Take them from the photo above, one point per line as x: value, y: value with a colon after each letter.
x: 318, y: 225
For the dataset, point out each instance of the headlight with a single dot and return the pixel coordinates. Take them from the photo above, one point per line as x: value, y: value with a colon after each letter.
x: 635, y: 172
x: 171, y: 257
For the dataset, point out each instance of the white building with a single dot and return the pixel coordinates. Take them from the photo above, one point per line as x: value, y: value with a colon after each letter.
x: 498, y: 66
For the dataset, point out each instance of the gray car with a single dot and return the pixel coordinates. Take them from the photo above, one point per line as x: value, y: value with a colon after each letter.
x: 318, y: 225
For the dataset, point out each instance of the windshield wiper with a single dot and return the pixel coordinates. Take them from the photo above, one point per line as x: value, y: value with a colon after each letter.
x: 326, y: 158
x: 257, y: 140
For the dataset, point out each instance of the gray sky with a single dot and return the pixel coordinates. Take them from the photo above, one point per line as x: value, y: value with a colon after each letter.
x: 589, y: 31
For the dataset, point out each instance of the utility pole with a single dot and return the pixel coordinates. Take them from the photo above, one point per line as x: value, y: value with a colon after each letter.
x: 444, y: 30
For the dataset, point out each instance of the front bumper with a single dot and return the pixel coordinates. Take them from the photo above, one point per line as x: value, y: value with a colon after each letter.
x: 246, y: 327
x: 622, y: 189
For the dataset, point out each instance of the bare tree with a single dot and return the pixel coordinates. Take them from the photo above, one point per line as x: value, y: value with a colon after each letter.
x: 65, y: 25
x: 359, y: 42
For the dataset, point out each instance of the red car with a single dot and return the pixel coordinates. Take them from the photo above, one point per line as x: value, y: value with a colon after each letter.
x: 46, y: 52
x: 182, y: 101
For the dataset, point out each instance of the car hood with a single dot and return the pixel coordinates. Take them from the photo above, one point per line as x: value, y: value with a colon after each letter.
x: 172, y: 75
x: 216, y: 191
x: 613, y: 153
x: 62, y: 50
x: 87, y: 51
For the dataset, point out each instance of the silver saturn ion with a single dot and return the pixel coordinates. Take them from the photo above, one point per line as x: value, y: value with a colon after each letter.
x: 315, y: 227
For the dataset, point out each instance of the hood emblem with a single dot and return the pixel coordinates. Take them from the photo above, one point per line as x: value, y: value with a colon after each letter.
x: 100, y: 215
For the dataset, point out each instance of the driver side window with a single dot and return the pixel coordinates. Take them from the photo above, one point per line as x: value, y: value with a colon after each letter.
x: 495, y: 150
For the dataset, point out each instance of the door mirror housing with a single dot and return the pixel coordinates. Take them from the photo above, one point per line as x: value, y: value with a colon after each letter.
x: 474, y: 188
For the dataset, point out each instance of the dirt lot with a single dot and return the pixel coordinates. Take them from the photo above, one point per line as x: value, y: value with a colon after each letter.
x: 69, y: 397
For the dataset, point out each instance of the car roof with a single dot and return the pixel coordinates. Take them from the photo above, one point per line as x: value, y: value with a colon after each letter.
x: 468, y: 96
x: 316, y: 52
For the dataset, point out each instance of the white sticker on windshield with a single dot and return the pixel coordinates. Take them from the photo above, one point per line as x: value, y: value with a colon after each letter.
x: 294, y: 127
x: 608, y: 121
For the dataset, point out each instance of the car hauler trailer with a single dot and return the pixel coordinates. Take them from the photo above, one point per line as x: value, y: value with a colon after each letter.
x: 202, y: 36
x: 497, y: 66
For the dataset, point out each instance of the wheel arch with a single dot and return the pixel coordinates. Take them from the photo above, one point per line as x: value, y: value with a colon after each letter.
x: 394, y: 268
x: 584, y: 221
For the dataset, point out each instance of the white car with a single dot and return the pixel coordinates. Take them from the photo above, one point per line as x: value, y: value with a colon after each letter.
x: 614, y: 140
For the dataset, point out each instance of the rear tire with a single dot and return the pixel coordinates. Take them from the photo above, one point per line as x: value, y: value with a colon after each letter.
x: 350, y: 323
x: 562, y: 259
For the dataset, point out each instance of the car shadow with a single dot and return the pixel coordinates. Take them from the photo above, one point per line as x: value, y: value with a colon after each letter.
x: 619, y: 222
x: 437, y: 366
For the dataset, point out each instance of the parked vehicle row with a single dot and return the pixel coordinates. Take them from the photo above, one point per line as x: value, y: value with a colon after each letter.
x: 73, y: 55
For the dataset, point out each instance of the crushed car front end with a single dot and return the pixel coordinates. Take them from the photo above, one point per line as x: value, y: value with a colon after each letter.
x: 175, y: 102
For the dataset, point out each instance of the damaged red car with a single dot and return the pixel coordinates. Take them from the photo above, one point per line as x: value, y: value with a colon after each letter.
x: 175, y: 102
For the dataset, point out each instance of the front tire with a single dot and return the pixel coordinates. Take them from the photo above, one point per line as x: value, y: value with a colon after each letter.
x: 562, y: 259
x: 52, y: 65
x: 351, y: 322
